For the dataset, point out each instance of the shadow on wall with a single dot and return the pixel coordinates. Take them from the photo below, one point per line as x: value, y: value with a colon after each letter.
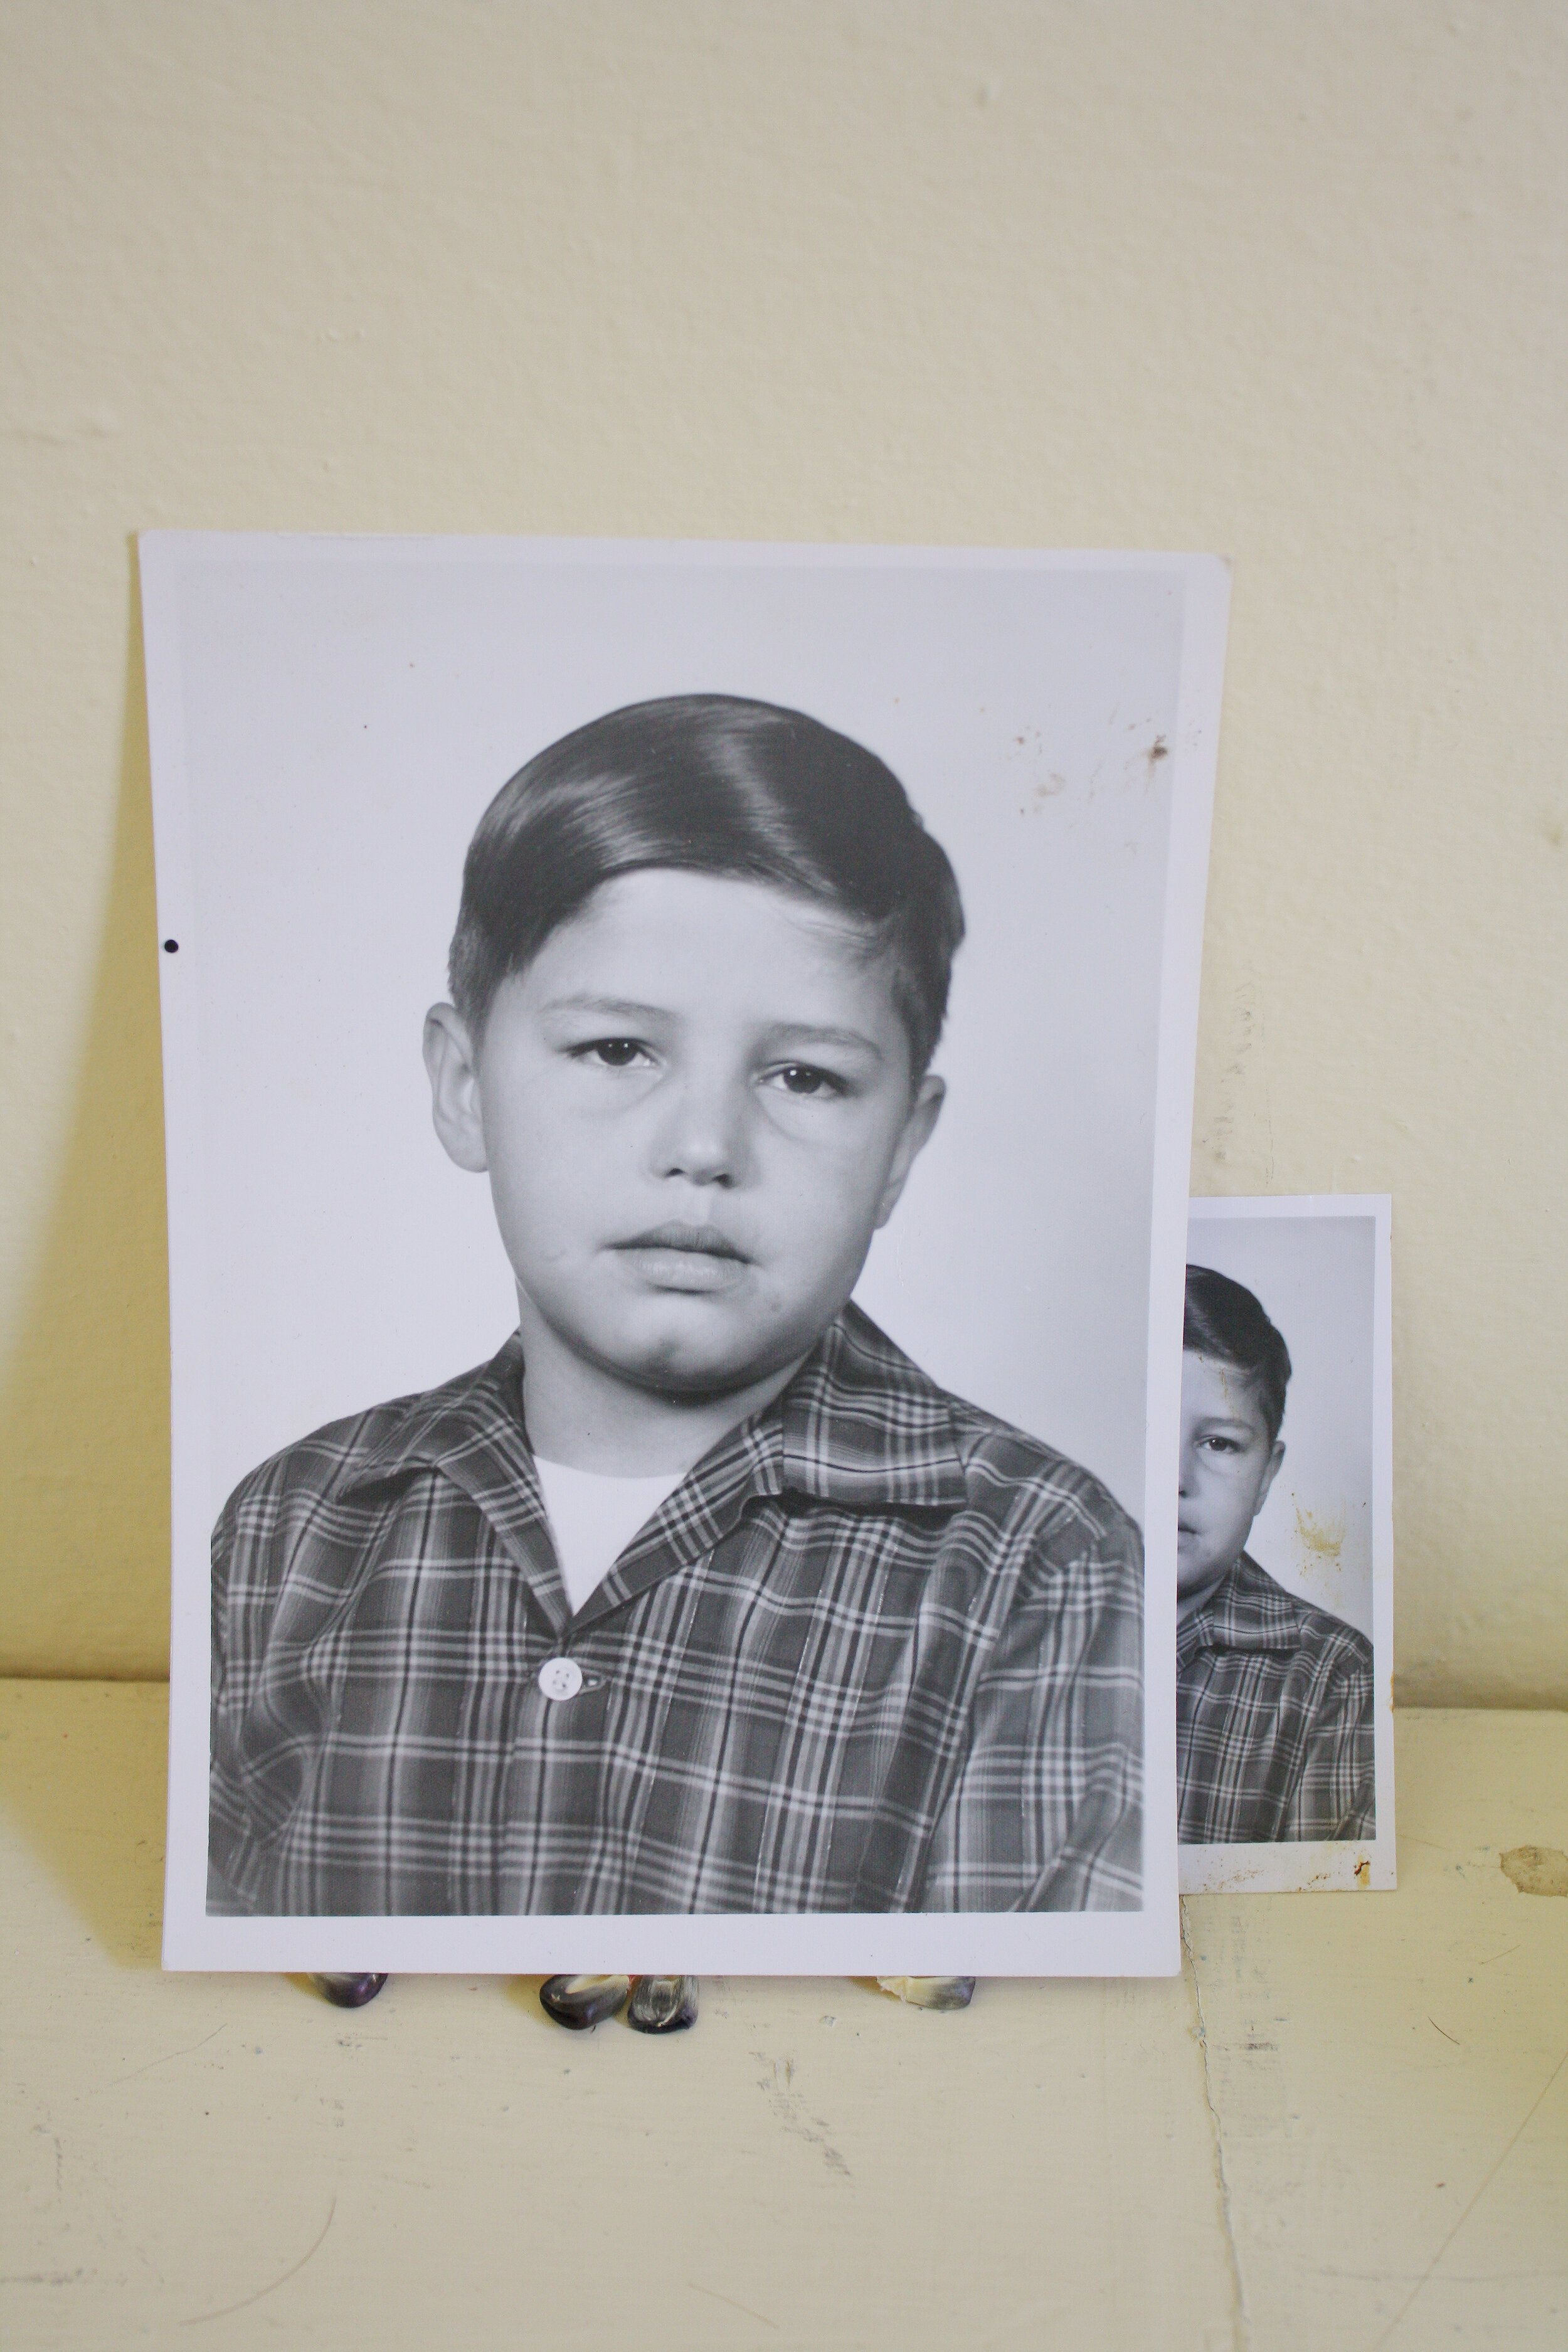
x: 83, y: 1784
x: 84, y: 1399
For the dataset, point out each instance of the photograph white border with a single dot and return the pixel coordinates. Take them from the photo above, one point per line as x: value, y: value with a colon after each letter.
x: 1324, y: 1864
x: 1118, y: 1943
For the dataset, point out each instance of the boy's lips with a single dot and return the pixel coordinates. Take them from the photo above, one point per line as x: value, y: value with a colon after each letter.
x: 698, y: 1241
x: 692, y: 1260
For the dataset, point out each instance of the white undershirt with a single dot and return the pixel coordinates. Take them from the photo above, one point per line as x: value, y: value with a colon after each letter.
x: 593, y: 1519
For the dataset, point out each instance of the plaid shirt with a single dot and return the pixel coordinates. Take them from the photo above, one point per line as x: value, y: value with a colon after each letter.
x: 1274, y: 1718
x: 877, y: 1651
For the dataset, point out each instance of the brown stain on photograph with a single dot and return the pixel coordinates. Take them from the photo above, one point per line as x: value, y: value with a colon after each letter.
x: 1319, y: 1541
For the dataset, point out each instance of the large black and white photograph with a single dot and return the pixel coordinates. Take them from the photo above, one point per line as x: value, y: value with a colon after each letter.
x: 1284, y: 1547
x: 678, y: 1082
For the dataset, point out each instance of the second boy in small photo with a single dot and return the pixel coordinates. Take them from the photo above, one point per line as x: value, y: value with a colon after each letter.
x: 1275, y: 1716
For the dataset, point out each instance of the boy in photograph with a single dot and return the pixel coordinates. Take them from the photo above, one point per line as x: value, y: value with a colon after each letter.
x: 1274, y: 1698
x: 700, y: 1597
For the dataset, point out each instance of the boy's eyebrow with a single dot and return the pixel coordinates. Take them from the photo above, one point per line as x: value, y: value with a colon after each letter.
x: 808, y: 1033
x: 622, y: 1008
x: 614, y: 1007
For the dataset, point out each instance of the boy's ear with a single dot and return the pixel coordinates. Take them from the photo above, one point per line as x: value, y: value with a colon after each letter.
x: 917, y: 1133
x: 453, y: 1068
x: 1269, y: 1475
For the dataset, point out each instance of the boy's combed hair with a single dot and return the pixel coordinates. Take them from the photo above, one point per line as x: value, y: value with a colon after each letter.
x: 1226, y: 1322
x: 711, y: 783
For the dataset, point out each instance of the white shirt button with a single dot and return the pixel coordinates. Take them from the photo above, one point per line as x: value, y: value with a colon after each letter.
x: 560, y: 1678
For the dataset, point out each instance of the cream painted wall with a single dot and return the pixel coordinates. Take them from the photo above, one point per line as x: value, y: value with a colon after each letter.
x: 1288, y: 282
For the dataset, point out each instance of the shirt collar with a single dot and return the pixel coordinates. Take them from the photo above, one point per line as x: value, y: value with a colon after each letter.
x: 1246, y: 1611
x: 471, y: 1429
x: 859, y: 1425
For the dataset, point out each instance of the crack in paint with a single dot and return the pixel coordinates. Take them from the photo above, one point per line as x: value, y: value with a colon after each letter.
x: 1240, y: 2329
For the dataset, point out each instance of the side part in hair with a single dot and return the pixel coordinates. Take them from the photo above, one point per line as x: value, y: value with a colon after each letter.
x: 709, y: 783
x: 1226, y: 1323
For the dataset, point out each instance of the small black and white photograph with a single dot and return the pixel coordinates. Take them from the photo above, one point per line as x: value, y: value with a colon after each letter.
x: 677, y: 1072
x: 1284, y: 1548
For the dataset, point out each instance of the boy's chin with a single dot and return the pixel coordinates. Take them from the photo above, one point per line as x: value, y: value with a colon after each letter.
x: 1195, y: 1574
x: 694, y: 1376
x: 684, y: 1358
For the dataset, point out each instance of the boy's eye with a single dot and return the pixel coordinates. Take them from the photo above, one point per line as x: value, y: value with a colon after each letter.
x: 804, y: 1078
x: 612, y: 1053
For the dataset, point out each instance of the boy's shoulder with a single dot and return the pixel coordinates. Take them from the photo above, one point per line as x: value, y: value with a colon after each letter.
x: 1008, y: 1476
x: 1283, y: 1620
x: 363, y: 1449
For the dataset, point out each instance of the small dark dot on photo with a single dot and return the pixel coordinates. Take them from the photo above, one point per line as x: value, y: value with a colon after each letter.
x: 171, y: 946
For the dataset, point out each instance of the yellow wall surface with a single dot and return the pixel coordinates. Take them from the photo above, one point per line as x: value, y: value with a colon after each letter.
x: 1284, y: 281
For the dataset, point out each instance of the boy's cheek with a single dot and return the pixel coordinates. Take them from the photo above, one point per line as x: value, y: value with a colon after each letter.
x: 849, y: 1175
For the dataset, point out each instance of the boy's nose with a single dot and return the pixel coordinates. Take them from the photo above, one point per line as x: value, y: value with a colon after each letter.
x: 703, y: 1136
